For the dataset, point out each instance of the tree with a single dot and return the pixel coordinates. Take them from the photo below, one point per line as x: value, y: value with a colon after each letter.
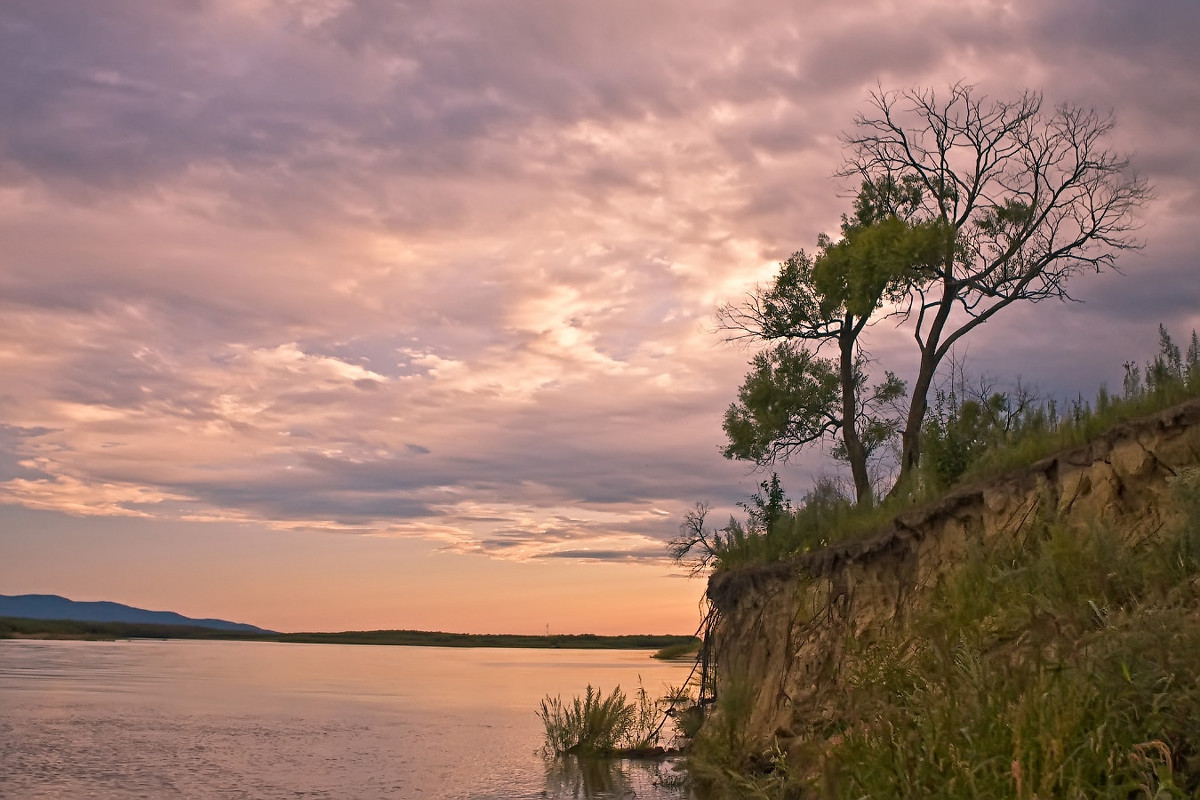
x: 767, y: 507
x: 1026, y: 199
x: 794, y: 397
x: 696, y: 547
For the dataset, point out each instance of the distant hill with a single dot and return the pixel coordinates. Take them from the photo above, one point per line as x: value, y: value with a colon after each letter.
x: 51, y: 606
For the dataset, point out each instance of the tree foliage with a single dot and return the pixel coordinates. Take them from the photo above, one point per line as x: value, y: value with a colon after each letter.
x: 1026, y: 198
x: 793, y: 396
x: 966, y: 205
x: 789, y: 399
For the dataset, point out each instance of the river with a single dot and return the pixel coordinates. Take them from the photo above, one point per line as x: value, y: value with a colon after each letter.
x: 192, y: 719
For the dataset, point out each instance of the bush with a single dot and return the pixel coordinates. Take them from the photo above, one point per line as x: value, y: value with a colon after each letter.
x: 679, y: 652
x: 720, y: 755
x: 598, y: 725
x: 970, y: 437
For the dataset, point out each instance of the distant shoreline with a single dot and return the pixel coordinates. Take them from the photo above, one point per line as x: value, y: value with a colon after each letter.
x: 21, y: 628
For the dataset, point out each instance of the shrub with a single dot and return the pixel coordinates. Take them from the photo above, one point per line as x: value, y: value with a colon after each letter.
x: 679, y: 652
x: 719, y: 756
x: 598, y: 725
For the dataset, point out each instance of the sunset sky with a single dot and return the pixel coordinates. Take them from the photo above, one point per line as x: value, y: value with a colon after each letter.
x: 330, y: 314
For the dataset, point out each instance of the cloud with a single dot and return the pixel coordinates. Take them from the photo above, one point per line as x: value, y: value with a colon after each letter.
x: 447, y: 271
x: 619, y: 556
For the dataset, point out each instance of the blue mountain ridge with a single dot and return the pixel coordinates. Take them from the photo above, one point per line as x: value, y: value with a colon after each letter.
x: 52, y: 606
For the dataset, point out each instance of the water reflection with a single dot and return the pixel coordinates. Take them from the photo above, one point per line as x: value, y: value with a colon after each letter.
x: 613, y: 778
x: 214, y: 720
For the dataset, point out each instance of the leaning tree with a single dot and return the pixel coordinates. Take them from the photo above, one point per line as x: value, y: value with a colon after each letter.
x: 1029, y: 197
x: 965, y: 206
x: 794, y: 396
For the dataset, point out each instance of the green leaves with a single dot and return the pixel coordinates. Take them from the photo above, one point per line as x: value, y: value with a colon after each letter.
x: 790, y: 398
x: 887, y: 197
x: 878, y: 261
x: 791, y: 306
x: 1010, y: 218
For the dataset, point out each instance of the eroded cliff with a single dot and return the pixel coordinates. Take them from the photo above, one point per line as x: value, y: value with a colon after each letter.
x: 783, y: 628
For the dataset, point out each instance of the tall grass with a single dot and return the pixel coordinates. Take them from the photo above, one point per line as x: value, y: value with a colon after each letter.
x: 596, y: 725
x: 1064, y: 666
x: 969, y: 435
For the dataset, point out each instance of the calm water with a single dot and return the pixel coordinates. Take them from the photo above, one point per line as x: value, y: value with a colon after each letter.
x: 161, y: 719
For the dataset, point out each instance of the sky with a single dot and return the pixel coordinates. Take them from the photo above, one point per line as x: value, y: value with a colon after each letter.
x: 337, y: 315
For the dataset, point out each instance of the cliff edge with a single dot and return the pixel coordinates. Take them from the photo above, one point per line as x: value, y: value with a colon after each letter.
x: 782, y: 628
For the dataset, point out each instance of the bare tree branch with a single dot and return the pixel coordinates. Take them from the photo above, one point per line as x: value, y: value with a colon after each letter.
x: 1031, y: 197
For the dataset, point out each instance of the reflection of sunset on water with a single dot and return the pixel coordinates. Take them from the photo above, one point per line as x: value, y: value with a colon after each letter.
x: 264, y: 720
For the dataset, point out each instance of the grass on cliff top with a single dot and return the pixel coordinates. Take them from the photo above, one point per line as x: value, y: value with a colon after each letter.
x: 1005, y: 441
x: 1065, y: 664
x: 966, y: 439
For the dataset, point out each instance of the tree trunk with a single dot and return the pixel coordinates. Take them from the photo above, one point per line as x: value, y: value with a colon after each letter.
x: 910, y: 453
x: 856, y: 453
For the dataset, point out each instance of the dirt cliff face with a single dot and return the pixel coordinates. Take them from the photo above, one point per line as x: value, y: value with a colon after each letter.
x: 783, y: 627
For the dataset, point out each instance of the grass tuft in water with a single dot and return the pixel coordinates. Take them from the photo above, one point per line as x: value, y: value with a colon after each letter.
x: 598, y: 725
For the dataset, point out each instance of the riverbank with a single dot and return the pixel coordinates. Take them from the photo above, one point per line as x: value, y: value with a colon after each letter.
x: 1037, y: 634
x: 18, y: 628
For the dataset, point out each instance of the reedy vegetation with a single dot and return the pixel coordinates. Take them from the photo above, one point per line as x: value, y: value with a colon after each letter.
x: 596, y: 725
